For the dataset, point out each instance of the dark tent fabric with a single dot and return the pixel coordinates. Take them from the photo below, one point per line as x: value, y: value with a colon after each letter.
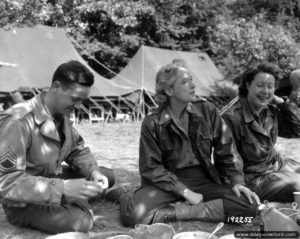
x: 142, y: 69
x: 37, y: 52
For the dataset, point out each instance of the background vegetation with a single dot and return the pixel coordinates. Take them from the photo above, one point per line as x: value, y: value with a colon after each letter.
x: 235, y: 33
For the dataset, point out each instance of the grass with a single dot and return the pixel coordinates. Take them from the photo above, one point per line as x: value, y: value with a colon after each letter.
x: 116, y: 146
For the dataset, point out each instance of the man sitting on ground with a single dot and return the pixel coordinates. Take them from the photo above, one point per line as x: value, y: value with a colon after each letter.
x: 36, y: 190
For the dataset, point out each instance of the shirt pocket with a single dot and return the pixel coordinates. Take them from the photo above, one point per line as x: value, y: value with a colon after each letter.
x: 167, y: 149
x: 204, y: 142
x: 169, y: 155
x: 167, y: 144
x: 251, y: 150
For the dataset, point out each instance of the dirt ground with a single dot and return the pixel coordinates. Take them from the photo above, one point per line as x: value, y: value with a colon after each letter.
x: 116, y: 146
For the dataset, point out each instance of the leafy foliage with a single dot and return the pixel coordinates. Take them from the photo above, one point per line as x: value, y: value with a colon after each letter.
x: 241, y: 43
x: 235, y: 33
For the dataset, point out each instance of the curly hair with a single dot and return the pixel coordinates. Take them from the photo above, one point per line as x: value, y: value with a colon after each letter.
x: 165, y: 78
x: 249, y: 75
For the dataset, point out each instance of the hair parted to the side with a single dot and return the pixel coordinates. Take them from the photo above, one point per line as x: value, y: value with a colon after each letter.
x: 73, y: 72
x: 165, y: 78
x: 249, y: 74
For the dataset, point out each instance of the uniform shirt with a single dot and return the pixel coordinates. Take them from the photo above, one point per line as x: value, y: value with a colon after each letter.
x: 165, y: 147
x: 31, y: 153
x: 256, y: 136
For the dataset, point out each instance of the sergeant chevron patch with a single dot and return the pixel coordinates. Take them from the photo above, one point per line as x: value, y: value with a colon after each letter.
x: 8, y: 161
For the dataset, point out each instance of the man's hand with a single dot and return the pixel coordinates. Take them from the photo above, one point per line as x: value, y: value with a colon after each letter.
x: 99, y: 178
x: 192, y: 197
x: 238, y: 189
x: 81, y: 189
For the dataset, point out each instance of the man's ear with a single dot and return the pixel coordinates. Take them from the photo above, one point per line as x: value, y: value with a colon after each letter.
x: 169, y: 91
x: 56, y: 85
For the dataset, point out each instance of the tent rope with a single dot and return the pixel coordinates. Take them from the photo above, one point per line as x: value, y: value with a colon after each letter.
x: 231, y: 103
x: 116, y: 74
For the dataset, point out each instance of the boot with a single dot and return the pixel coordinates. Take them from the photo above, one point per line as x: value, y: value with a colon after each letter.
x: 110, y: 195
x: 114, y: 194
x: 165, y: 215
x: 212, y: 211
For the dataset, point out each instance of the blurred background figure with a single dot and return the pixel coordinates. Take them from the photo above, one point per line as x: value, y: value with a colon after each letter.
x: 8, y: 102
x: 13, y: 98
x: 295, y: 83
x: 17, y: 96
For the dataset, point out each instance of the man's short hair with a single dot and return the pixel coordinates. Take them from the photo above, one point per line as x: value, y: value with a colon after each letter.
x: 73, y: 72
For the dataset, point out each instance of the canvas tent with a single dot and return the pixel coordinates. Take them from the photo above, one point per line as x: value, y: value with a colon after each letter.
x: 35, y: 53
x: 142, y: 69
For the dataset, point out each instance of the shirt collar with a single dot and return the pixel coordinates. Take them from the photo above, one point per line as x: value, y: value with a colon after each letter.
x: 248, y: 111
x: 41, y: 114
x: 167, y: 115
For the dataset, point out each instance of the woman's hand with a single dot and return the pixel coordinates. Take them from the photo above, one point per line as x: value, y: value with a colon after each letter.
x: 277, y: 100
x: 192, y: 197
x: 238, y: 189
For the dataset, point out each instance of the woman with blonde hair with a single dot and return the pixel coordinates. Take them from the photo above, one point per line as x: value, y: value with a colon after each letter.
x: 178, y: 179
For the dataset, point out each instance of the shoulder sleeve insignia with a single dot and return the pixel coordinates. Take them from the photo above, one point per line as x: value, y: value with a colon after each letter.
x: 77, y: 137
x: 8, y: 161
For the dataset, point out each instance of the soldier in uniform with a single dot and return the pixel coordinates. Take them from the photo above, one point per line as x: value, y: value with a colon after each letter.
x: 36, y: 189
x: 178, y: 179
x: 255, y: 121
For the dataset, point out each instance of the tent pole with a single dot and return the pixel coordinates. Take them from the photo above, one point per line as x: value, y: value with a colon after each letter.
x: 99, y: 106
x: 151, y: 98
x: 142, y: 105
x: 128, y: 104
x: 32, y: 91
x: 108, y: 100
x: 142, y: 91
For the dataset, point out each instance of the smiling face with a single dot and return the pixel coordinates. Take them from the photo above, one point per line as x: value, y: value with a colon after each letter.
x: 183, y: 89
x: 69, y: 98
x: 261, y: 90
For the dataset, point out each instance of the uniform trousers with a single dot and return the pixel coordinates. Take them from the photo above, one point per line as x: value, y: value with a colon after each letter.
x: 55, y: 218
x: 141, y: 207
x: 278, y: 186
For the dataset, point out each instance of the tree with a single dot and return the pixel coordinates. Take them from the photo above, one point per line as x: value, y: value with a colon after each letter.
x: 241, y: 43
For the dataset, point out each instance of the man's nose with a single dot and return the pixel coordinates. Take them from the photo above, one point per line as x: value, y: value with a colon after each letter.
x: 266, y: 89
x: 192, y: 85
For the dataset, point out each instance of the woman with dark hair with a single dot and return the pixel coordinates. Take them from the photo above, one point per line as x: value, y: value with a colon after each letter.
x: 255, y: 121
x: 178, y: 179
